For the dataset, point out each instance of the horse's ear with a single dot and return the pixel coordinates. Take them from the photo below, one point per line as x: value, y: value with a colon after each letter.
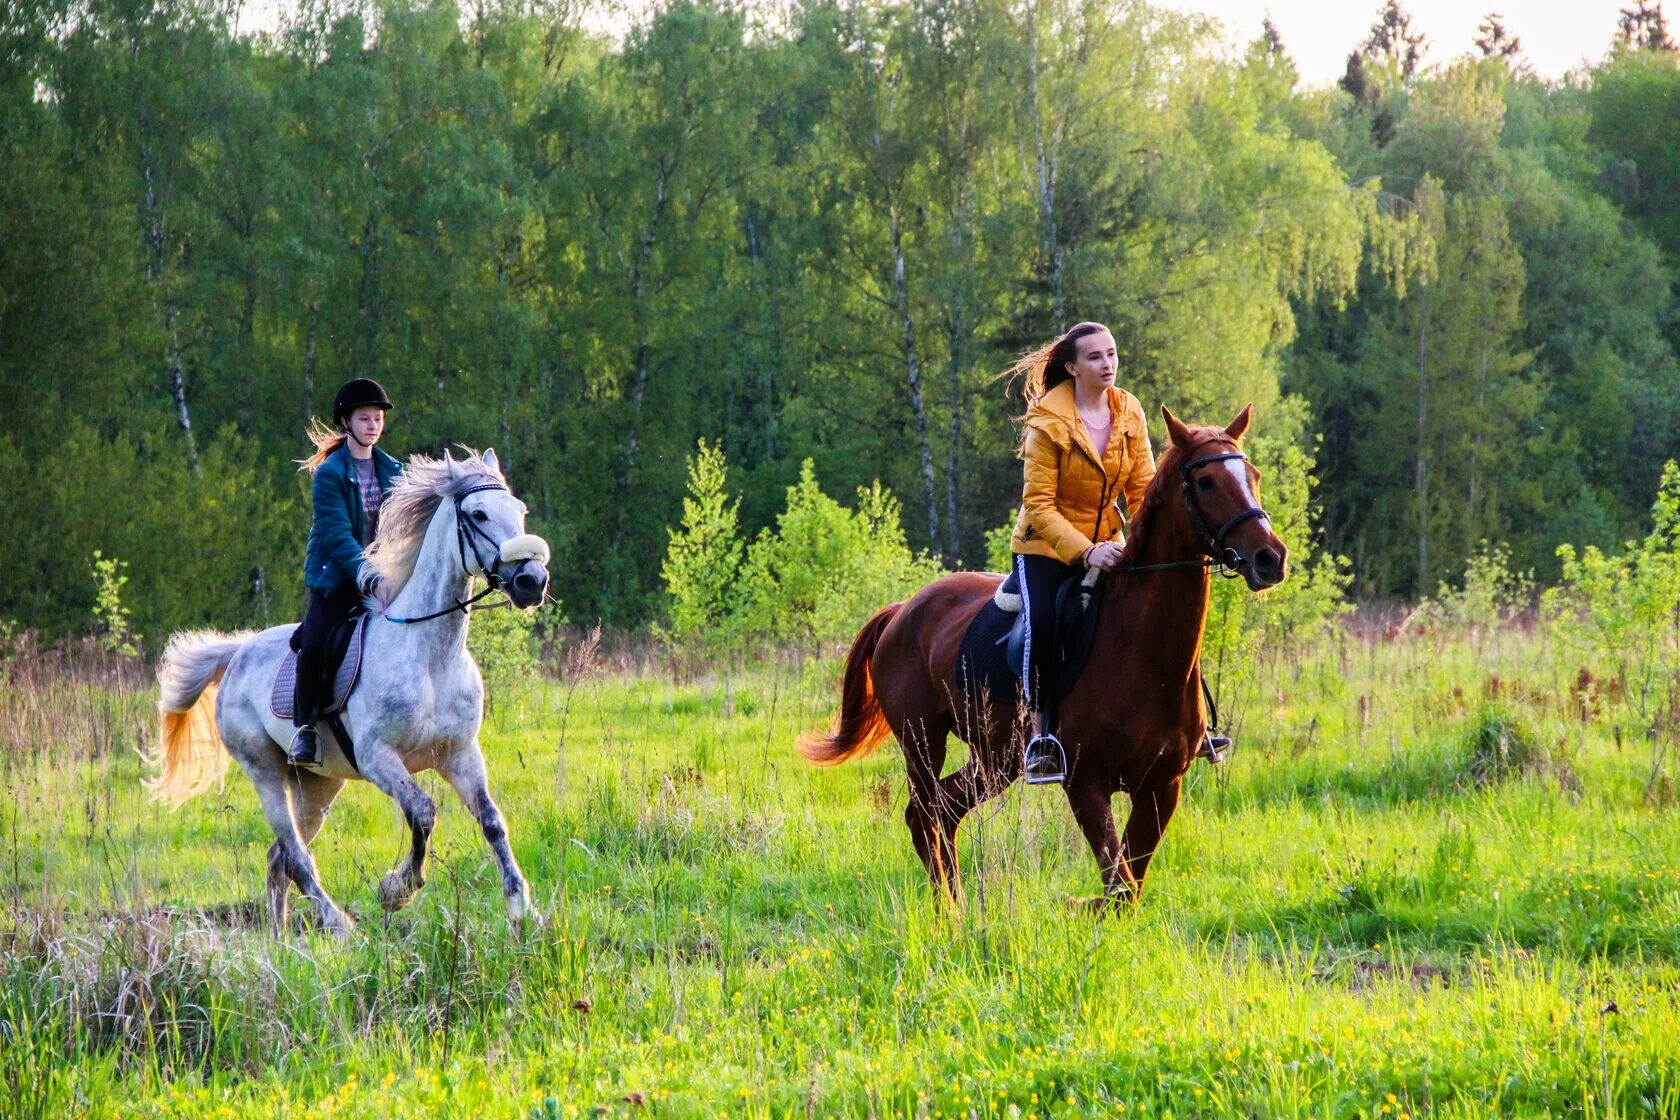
x: 454, y: 467
x: 1176, y: 430
x: 490, y: 459
x: 1237, y: 427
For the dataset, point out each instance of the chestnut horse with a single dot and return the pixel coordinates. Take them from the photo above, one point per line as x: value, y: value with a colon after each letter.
x: 1133, y: 719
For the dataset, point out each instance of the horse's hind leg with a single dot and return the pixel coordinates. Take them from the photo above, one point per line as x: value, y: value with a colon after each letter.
x: 924, y: 742
x: 289, y: 855
x: 465, y: 771
x: 311, y: 795
x: 381, y: 766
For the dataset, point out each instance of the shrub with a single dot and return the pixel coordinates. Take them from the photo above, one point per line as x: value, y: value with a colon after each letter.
x: 703, y: 557
x: 1491, y: 594
x: 504, y: 644
x: 1624, y: 610
x: 1242, y: 625
x: 112, y: 628
x: 815, y: 577
x: 1499, y: 746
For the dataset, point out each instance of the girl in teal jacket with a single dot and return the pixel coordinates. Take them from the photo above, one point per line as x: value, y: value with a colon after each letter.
x: 351, y: 477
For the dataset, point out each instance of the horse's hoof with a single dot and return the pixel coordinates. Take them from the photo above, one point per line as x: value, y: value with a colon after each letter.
x: 1099, y: 904
x: 522, y: 914
x: 395, y: 891
x: 340, y: 925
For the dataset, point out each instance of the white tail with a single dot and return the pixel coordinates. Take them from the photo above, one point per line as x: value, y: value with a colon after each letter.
x: 189, y: 758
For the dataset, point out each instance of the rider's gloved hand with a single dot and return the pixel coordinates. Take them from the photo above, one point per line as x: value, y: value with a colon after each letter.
x: 1104, y: 556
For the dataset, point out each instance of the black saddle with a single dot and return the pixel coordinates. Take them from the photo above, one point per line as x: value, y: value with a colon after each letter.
x: 992, y: 659
x: 341, y: 665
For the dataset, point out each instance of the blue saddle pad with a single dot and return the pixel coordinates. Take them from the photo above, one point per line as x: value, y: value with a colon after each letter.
x: 991, y: 660
x: 343, y: 659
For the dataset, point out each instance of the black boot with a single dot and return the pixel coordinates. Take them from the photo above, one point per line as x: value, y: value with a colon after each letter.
x: 305, y: 749
x: 1214, y: 747
x: 1046, y: 761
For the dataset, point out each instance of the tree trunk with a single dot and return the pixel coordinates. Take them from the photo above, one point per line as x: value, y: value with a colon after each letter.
x: 957, y: 347
x: 152, y: 223
x: 309, y: 363
x: 1046, y: 180
x: 364, y: 359
x: 1422, y: 469
x: 643, y: 352
x: 913, y: 376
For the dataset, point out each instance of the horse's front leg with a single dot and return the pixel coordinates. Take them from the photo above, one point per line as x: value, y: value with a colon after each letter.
x: 384, y: 768
x: 1093, y: 808
x: 464, y: 770
x: 1152, y: 808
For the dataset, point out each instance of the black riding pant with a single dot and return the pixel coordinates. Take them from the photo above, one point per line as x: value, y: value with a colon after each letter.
x: 1040, y: 578
x: 321, y: 613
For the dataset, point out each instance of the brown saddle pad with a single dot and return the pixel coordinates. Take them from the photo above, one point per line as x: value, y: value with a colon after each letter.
x: 349, y: 650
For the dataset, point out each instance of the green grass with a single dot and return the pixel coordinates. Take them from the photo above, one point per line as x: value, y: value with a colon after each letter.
x: 1414, y: 891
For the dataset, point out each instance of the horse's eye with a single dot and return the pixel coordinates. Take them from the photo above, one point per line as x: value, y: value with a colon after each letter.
x: 1205, y: 483
x: 480, y: 515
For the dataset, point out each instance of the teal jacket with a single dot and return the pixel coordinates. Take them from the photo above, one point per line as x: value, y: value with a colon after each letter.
x: 335, y: 532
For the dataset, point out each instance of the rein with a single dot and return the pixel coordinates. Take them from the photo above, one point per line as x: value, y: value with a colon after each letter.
x: 467, y: 535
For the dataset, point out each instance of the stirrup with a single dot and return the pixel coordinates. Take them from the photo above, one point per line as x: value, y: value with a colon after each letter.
x: 1046, y: 761
x: 1214, y: 748
x: 305, y: 748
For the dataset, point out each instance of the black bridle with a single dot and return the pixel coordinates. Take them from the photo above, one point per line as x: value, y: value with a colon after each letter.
x: 467, y: 536
x: 1216, y: 553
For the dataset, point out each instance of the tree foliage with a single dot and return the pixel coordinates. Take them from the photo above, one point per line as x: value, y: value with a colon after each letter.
x: 802, y: 231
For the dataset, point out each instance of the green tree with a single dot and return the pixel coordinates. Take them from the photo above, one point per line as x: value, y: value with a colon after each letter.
x: 704, y: 555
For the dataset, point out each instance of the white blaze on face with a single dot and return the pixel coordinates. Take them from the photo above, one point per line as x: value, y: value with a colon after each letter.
x: 1239, y: 471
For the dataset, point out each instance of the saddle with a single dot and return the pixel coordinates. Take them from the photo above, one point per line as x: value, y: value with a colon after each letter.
x: 992, y: 657
x: 993, y: 654
x: 341, y: 664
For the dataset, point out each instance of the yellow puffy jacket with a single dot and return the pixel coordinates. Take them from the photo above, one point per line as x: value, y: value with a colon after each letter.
x: 1068, y: 495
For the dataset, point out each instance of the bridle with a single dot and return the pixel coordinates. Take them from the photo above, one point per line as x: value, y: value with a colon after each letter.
x: 1217, y: 555
x: 467, y: 536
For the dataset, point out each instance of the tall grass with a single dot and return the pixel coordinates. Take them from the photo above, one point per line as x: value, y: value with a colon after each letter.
x: 1429, y: 882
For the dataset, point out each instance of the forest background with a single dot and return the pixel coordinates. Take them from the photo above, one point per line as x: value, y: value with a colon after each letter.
x: 807, y: 231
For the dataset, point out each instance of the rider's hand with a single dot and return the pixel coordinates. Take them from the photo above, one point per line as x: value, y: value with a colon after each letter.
x: 1105, y: 556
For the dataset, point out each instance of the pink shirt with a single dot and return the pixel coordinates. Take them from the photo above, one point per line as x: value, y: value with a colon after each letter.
x: 1099, y: 436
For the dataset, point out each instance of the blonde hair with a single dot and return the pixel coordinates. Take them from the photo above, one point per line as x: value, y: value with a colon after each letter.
x: 1041, y: 370
x: 326, y: 441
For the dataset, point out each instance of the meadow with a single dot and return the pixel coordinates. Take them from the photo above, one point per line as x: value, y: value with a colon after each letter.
x: 1440, y: 876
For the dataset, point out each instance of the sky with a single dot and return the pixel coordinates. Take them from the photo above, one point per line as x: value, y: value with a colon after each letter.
x: 1556, y: 35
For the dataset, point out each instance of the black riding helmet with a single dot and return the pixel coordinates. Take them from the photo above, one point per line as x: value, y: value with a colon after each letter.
x: 359, y: 392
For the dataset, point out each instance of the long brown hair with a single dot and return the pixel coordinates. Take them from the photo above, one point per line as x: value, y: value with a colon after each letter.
x: 1041, y: 370
x: 326, y: 441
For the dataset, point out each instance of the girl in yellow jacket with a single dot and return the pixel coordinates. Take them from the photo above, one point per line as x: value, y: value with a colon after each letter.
x: 1085, y: 446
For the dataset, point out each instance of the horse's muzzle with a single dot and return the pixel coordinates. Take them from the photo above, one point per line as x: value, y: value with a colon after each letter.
x: 528, y: 584
x: 1266, y: 568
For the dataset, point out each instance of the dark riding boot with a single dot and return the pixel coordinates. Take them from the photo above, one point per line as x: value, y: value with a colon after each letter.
x: 1214, y: 747
x: 1046, y: 762
x: 305, y: 749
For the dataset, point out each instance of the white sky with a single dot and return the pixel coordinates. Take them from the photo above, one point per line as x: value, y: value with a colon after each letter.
x: 1556, y: 35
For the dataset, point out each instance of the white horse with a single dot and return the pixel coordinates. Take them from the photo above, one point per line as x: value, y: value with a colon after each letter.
x: 417, y: 706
